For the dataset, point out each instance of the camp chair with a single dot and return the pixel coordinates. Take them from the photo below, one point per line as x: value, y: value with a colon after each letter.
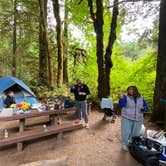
x: 108, y: 109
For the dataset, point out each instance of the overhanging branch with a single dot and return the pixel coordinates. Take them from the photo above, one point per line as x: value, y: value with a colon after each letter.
x: 124, y: 1
x: 90, y: 4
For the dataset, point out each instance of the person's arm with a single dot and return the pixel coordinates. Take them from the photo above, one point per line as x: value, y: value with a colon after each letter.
x: 87, y: 90
x: 145, y: 105
x: 7, y: 102
x: 72, y: 90
x: 122, y: 101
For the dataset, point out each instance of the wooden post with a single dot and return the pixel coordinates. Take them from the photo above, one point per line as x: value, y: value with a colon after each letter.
x: 21, y: 129
x: 54, y: 119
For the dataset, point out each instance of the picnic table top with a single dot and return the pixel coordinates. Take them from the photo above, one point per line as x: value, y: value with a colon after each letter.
x: 35, y: 113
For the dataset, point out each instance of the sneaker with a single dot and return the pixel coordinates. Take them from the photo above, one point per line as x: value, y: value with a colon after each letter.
x: 87, y: 126
x: 78, y: 121
x: 113, y: 121
x: 125, y: 148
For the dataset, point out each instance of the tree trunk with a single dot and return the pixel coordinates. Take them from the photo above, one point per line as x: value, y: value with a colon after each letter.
x: 50, y: 58
x: 111, y: 41
x: 43, y: 45
x: 14, y: 40
x: 160, y: 86
x: 100, y: 48
x: 65, y: 45
x: 56, y: 9
x: 98, y: 22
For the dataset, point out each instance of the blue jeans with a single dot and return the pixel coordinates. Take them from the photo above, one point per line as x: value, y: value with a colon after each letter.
x: 129, y: 129
x: 81, y: 110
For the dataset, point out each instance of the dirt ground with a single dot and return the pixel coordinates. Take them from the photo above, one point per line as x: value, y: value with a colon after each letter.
x: 97, y: 146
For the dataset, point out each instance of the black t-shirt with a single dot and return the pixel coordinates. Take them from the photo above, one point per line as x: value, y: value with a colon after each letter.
x: 80, y: 88
x: 8, y: 101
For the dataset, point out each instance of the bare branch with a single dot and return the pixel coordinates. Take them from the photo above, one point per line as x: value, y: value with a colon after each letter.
x: 90, y: 4
x: 124, y: 1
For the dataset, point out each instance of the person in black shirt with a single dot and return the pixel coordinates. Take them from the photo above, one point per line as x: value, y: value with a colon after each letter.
x: 9, y: 99
x: 81, y: 91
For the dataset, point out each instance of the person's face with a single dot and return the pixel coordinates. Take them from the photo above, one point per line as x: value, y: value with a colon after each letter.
x: 131, y: 91
x: 79, y: 82
x: 11, y: 94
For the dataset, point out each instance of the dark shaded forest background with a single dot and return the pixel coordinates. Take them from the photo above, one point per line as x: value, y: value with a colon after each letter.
x: 110, y: 44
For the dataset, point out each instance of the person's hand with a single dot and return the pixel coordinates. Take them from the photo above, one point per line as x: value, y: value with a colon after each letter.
x: 73, y: 87
x: 121, y: 94
x: 82, y: 93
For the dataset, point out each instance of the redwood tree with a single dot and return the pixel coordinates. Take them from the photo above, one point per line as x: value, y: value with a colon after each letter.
x: 160, y: 86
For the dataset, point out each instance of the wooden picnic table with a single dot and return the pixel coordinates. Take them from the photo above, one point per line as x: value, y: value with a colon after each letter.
x: 53, y: 114
x: 36, y: 113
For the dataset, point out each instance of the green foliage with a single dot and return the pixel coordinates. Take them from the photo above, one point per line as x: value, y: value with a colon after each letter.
x: 133, y: 63
x: 140, y: 73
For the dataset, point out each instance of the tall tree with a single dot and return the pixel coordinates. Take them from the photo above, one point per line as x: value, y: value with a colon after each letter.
x: 50, y: 58
x: 98, y: 22
x: 104, y: 61
x: 56, y: 9
x: 43, y: 44
x: 65, y: 44
x: 160, y: 85
x: 14, y: 39
x: 111, y: 41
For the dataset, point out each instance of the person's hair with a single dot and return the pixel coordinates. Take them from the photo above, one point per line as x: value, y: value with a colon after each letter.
x: 135, y: 91
x: 9, y: 92
x: 79, y: 79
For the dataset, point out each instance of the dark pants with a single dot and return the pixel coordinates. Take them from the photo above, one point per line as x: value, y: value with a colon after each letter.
x: 81, y: 110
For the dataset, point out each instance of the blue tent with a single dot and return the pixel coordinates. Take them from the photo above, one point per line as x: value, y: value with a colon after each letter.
x: 22, y: 92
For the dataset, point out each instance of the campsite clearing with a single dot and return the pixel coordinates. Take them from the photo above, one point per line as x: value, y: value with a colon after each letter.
x: 99, y: 145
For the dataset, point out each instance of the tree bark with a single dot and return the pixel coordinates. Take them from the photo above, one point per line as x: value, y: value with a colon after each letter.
x: 56, y: 9
x: 43, y: 44
x: 111, y: 41
x: 14, y: 57
x: 50, y: 58
x: 98, y: 22
x: 160, y: 85
x: 65, y: 45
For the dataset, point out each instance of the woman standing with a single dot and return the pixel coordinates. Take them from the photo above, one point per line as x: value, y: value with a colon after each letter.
x: 133, y: 105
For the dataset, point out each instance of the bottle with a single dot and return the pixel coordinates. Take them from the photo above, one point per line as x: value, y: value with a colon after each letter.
x: 143, y: 147
x: 6, y: 134
x: 45, y: 127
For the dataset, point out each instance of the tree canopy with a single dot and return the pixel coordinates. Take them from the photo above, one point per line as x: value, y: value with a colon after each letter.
x: 110, y: 44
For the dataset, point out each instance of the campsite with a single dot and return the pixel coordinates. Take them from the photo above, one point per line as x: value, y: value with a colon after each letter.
x: 82, y: 82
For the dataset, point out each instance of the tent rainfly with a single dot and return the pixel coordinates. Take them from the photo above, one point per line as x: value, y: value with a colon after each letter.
x: 22, y: 92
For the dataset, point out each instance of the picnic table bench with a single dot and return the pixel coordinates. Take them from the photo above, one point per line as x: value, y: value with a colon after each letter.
x: 23, y: 135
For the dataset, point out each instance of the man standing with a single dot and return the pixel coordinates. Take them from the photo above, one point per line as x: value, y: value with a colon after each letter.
x: 80, y: 91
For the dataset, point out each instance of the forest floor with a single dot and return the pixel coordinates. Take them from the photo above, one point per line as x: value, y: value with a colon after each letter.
x: 97, y: 146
